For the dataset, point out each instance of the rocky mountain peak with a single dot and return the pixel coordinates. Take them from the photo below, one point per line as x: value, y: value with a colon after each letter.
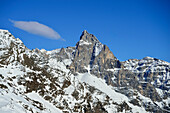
x: 44, y: 81
x: 7, y: 39
x: 91, y: 52
x: 87, y: 38
x: 84, y: 32
x: 10, y: 47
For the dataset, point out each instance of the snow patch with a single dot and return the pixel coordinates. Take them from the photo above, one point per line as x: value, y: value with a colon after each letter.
x: 82, y: 42
x: 98, y: 48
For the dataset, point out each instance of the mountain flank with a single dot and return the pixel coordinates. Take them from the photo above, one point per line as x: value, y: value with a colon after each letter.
x: 87, y: 78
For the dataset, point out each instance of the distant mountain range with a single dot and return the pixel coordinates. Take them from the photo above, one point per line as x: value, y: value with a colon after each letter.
x: 86, y: 78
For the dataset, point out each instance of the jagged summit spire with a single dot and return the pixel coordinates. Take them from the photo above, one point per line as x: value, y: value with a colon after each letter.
x: 88, y: 37
x: 84, y: 32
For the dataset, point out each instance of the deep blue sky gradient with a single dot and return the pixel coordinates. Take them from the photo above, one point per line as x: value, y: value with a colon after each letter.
x: 130, y: 28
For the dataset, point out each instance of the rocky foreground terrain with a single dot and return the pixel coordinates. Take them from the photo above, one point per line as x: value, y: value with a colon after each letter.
x: 86, y: 78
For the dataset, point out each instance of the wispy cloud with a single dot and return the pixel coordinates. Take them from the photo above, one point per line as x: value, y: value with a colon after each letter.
x: 36, y: 28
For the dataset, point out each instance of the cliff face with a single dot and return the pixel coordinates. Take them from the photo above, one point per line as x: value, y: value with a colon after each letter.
x: 92, y: 54
x: 152, y: 73
x: 86, y: 78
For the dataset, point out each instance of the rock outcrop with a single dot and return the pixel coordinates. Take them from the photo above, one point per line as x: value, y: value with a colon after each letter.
x: 91, y: 55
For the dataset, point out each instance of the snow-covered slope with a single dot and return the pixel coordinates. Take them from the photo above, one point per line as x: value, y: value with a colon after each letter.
x: 53, y: 81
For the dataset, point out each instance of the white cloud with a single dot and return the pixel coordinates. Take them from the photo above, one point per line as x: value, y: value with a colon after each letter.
x: 37, y: 28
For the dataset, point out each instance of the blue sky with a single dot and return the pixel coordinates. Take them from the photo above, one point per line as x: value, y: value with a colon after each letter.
x: 130, y: 28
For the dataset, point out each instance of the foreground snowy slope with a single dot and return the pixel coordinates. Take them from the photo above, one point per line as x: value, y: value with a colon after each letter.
x: 86, y: 78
